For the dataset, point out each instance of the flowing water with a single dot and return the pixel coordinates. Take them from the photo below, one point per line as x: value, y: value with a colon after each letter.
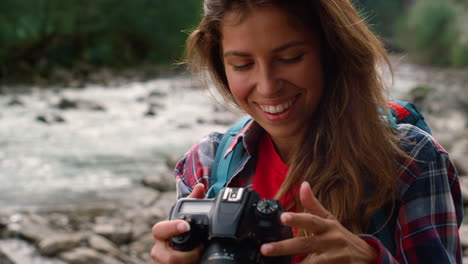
x: 94, y: 155
x: 98, y: 155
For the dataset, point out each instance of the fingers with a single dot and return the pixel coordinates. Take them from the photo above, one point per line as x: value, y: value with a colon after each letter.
x: 292, y: 246
x: 312, y: 223
x: 164, y: 230
x: 315, y: 225
x: 163, y: 253
x: 310, y: 202
x: 198, y: 191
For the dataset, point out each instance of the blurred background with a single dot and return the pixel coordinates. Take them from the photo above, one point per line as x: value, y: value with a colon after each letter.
x: 40, y: 37
x: 95, y: 111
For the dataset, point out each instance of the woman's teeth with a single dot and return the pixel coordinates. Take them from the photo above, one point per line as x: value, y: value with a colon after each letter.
x: 275, y: 109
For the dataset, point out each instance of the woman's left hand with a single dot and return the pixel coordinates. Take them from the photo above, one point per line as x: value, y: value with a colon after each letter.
x: 328, y: 240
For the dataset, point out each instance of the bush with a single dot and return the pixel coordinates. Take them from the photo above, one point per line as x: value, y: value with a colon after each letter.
x: 47, y: 34
x: 429, y: 32
x: 381, y: 15
x: 460, y: 55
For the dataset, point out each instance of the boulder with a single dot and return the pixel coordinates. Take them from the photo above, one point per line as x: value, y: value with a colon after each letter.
x: 103, y: 245
x: 464, y: 236
x: 50, y: 118
x: 459, y: 154
x: 117, y: 233
x: 32, y: 228
x: 15, y: 101
x: 162, y: 180
x: 84, y: 255
x: 66, y: 103
x: 56, y: 243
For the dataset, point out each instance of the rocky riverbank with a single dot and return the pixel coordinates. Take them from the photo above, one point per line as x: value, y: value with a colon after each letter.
x: 121, y: 232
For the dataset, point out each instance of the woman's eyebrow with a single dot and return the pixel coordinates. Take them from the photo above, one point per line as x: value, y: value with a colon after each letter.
x: 289, y: 45
x: 275, y: 50
x: 235, y: 53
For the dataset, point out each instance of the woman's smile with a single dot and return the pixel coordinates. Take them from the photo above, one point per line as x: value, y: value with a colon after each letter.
x: 274, y: 71
x: 281, y: 109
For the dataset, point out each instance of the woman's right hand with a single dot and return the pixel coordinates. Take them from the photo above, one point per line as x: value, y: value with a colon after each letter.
x: 162, y: 252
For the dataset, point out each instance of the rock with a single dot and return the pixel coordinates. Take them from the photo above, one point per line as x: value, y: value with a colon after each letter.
x: 87, y: 256
x: 160, y: 210
x: 50, y: 118
x: 151, y: 111
x: 459, y: 155
x: 418, y: 94
x: 106, y: 247
x: 15, y: 251
x: 464, y: 236
x: 162, y: 180
x: 15, y: 101
x: 54, y: 244
x: 117, y: 233
x: 65, y: 104
x: 159, y: 183
x: 223, y: 121
x: 6, y: 258
x: 183, y: 126
x: 103, y: 245
x: 157, y: 94
x: 464, y: 188
x: 32, y: 228
x: 150, y: 199
x: 143, y: 245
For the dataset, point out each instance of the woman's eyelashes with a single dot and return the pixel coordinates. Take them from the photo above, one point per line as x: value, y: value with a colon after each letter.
x: 291, y: 59
x: 242, y: 67
x: 287, y: 60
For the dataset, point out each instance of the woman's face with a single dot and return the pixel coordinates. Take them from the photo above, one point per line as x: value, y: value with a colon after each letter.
x: 273, y: 70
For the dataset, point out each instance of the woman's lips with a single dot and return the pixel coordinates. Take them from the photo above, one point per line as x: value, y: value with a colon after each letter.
x: 278, y: 111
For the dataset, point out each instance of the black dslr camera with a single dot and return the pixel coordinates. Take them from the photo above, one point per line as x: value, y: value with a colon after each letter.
x: 232, y: 227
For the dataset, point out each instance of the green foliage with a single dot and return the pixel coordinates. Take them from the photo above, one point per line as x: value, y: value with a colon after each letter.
x: 48, y: 34
x: 429, y: 32
x: 460, y: 55
x: 381, y: 14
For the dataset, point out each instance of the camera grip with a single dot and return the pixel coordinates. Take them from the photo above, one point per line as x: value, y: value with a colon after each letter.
x: 183, y: 242
x: 189, y: 240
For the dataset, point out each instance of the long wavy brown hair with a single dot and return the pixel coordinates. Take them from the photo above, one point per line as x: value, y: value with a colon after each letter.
x: 348, y: 154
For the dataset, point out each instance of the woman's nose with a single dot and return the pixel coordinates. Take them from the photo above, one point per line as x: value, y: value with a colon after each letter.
x: 268, y: 83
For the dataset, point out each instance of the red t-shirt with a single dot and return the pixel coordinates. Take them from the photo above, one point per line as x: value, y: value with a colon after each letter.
x: 270, y: 173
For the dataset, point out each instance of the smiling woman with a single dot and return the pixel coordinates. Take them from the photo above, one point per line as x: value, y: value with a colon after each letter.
x: 274, y: 76
x: 357, y: 188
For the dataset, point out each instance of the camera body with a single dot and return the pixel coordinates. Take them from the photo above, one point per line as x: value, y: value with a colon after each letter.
x: 232, y: 226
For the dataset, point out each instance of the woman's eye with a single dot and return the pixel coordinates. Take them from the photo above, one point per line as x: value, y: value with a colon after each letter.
x: 291, y: 59
x: 242, y: 67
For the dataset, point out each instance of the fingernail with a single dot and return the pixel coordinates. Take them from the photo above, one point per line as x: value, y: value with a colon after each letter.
x: 286, y: 217
x: 183, y: 227
x: 266, y: 249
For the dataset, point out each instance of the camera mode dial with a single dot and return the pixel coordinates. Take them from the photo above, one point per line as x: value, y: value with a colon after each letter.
x: 267, y: 208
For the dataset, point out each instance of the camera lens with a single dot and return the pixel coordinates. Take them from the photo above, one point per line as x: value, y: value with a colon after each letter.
x: 224, y: 251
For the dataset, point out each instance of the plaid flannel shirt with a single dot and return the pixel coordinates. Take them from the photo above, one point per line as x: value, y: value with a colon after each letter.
x: 430, y: 208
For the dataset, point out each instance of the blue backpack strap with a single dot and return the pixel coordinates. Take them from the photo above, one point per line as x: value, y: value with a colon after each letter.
x: 407, y: 113
x: 223, y: 168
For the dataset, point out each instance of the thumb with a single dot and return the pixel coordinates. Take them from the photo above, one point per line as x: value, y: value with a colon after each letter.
x: 311, y: 203
x: 198, y: 191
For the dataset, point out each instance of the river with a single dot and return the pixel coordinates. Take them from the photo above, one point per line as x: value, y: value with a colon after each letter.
x: 96, y: 156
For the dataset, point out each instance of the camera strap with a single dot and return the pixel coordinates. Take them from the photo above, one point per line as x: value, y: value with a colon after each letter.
x: 223, y: 167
